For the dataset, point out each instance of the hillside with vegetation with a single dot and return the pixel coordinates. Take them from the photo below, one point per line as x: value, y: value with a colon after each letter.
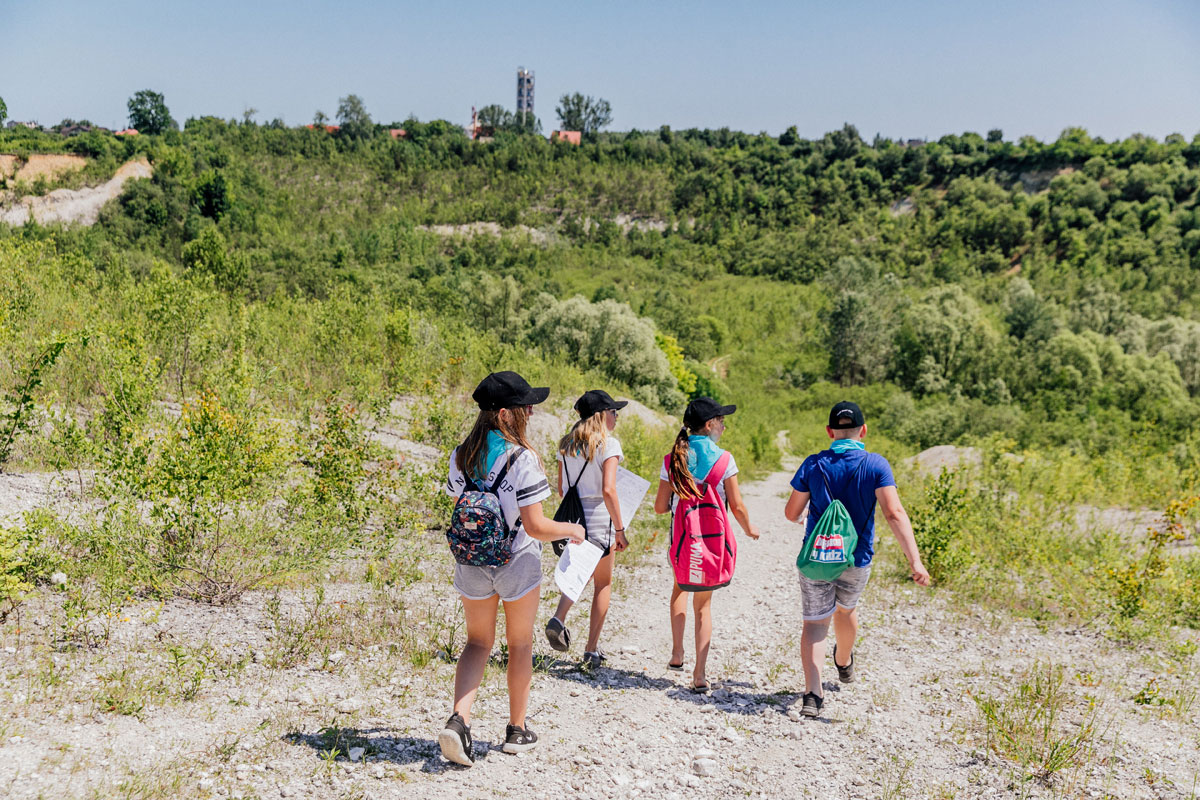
x: 219, y: 367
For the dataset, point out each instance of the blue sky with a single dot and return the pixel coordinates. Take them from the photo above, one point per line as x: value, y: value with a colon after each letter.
x: 903, y: 69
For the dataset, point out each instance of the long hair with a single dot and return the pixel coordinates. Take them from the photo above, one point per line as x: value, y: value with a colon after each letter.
x: 473, y: 451
x: 681, y: 478
x: 586, y: 437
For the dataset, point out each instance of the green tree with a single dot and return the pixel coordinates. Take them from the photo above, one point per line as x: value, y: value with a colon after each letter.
x: 494, y: 116
x: 353, y: 118
x: 212, y: 195
x: 3, y: 111
x: 148, y: 113
x: 586, y: 114
x: 206, y: 255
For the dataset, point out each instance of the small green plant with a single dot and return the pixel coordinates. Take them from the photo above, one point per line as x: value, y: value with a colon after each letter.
x: 1028, y: 727
x: 894, y: 782
x: 1133, y: 584
x: 188, y: 670
x: 122, y: 692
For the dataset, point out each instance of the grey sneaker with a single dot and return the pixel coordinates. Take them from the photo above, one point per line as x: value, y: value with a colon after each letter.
x: 518, y: 740
x: 557, y: 635
x: 812, y: 705
x: 455, y: 741
x: 846, y: 673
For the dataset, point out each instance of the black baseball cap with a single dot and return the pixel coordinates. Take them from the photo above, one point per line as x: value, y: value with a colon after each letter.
x: 702, y: 409
x: 507, y: 390
x: 846, y: 415
x: 596, y: 400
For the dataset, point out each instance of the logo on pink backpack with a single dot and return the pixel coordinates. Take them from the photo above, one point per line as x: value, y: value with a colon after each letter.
x: 703, y: 549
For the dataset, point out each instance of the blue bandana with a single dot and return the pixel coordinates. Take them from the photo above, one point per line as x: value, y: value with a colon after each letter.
x: 702, y: 454
x: 846, y: 445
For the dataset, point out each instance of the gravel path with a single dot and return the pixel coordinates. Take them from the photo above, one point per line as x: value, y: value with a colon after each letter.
x: 907, y: 728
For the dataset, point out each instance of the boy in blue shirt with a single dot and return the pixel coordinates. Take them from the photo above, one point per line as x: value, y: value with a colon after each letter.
x: 858, y: 479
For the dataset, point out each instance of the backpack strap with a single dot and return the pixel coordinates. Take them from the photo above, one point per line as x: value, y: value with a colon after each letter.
x: 512, y: 456
x: 571, y: 484
x: 849, y: 482
x: 718, y: 469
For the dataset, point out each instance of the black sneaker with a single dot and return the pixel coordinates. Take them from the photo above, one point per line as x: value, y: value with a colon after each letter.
x: 557, y: 635
x: 594, y: 660
x: 812, y: 705
x: 455, y: 741
x: 846, y: 673
x: 518, y: 740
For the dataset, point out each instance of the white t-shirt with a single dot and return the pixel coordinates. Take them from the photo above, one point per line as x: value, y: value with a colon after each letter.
x: 731, y: 469
x: 591, y: 487
x: 524, y: 485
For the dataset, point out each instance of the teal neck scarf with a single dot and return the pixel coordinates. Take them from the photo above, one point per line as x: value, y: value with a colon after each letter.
x: 840, y: 446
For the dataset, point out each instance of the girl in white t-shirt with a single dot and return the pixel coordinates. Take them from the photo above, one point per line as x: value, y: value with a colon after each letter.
x: 497, y: 444
x: 587, y: 459
x: 693, y: 456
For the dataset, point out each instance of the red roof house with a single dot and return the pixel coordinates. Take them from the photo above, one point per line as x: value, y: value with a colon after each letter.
x: 573, y: 137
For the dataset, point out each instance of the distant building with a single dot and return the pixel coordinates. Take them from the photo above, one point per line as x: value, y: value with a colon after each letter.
x: 126, y: 132
x: 398, y: 133
x: 572, y: 137
x: 524, y: 93
x: 75, y: 130
x: 328, y: 128
x: 15, y: 124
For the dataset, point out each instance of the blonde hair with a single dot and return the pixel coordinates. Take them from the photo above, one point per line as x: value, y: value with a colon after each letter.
x: 586, y: 437
x: 473, y: 451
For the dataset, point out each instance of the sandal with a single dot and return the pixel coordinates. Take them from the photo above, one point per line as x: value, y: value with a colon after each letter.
x: 698, y: 688
x: 675, y: 667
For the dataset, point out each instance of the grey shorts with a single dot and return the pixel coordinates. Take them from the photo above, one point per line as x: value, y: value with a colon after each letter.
x: 512, y: 581
x: 820, y: 597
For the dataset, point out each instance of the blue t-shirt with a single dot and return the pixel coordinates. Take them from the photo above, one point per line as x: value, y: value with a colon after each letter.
x: 852, y: 477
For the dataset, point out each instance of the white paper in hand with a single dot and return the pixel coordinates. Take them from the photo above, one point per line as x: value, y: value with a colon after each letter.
x: 575, y: 567
x: 631, y: 490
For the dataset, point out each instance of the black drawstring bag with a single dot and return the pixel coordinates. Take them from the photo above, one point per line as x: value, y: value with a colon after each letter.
x: 570, y: 510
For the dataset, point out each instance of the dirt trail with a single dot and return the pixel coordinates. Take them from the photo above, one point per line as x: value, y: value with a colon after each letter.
x: 907, y: 728
x: 80, y: 206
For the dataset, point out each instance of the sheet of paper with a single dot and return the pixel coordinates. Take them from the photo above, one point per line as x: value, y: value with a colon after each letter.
x: 575, y: 567
x: 631, y: 490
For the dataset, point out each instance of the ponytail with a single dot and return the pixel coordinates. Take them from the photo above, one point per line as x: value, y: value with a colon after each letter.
x: 681, y: 478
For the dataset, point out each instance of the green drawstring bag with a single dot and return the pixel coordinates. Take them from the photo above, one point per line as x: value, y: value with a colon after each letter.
x: 830, y: 549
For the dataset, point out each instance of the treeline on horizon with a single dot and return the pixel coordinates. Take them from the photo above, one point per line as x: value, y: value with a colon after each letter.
x: 965, y: 288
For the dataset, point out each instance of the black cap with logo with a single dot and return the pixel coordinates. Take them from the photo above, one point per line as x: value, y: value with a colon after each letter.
x: 595, y: 401
x: 702, y: 409
x: 507, y: 390
x: 846, y: 415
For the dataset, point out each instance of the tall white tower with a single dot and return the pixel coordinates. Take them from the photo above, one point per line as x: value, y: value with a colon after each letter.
x: 524, y: 92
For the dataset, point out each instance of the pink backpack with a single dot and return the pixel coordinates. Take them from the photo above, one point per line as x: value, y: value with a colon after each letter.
x: 703, y: 551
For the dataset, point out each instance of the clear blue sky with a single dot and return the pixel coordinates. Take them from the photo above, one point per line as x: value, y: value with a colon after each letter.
x: 904, y: 69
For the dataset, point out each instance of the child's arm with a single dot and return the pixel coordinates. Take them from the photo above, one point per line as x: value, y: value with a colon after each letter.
x: 662, y: 500
x: 796, y: 505
x: 543, y: 529
x: 738, y: 506
x: 897, y: 518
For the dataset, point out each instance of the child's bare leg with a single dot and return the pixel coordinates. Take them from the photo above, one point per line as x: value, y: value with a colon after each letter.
x: 678, y: 622
x: 812, y: 653
x: 702, y: 604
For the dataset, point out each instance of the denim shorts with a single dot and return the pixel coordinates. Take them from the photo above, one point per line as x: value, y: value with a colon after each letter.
x: 512, y: 581
x: 821, y: 597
